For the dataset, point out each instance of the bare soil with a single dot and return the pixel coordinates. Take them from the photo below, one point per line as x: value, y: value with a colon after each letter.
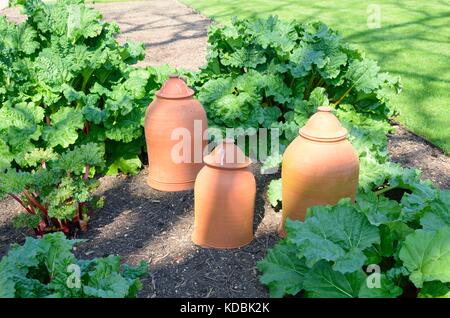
x: 140, y: 223
x: 413, y: 151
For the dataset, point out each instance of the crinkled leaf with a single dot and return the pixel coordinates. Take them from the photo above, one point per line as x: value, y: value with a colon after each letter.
x: 379, y: 286
x: 64, y: 126
x: 426, y: 255
x: 363, y: 75
x: 105, y: 281
x: 437, y: 213
x: 82, y: 22
x: 274, y: 192
x: 338, y: 234
x: 324, y: 282
x: 434, y: 289
x: 378, y: 209
x: 283, y: 271
x: 126, y: 165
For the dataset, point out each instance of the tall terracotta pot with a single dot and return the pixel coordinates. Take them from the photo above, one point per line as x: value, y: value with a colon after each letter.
x: 175, y: 124
x: 225, y: 192
x: 319, y: 167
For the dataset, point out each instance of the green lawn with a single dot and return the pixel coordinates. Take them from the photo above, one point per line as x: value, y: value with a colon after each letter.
x: 413, y: 41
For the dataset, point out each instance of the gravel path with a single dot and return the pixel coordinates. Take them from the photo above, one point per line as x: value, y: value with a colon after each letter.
x: 143, y: 224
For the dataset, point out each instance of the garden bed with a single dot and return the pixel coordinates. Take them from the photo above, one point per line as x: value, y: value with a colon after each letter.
x: 140, y: 223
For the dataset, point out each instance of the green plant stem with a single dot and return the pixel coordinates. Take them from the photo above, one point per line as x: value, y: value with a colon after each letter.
x: 86, y: 77
x: 349, y: 90
x: 381, y: 191
x: 309, y: 87
x: 292, y: 82
x: 320, y: 82
x: 343, y: 96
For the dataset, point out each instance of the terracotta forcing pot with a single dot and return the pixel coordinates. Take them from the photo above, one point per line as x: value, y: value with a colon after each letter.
x: 319, y: 167
x: 175, y: 123
x: 224, y: 203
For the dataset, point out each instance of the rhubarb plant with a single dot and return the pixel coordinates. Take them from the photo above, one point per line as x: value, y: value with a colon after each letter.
x: 47, y: 267
x: 383, y: 245
x: 274, y: 74
x: 57, y: 195
x: 66, y: 81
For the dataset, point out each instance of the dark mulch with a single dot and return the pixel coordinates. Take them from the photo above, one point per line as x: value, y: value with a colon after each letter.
x: 413, y: 151
x: 139, y: 223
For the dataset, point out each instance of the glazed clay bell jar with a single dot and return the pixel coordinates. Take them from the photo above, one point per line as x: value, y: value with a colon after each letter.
x: 319, y: 167
x: 224, y: 204
x: 175, y: 123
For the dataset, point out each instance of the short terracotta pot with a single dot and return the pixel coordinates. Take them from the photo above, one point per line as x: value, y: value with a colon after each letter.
x: 225, y: 191
x: 175, y: 125
x: 319, y: 167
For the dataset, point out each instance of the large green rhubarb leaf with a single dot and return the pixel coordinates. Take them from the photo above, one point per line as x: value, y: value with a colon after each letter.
x: 338, y: 234
x: 304, y: 58
x: 323, y: 282
x: 363, y: 75
x: 378, y: 209
x: 437, y: 213
x: 64, y: 127
x: 283, y: 271
x: 82, y: 22
x: 105, y: 281
x: 386, y: 288
x: 434, y: 290
x: 426, y: 255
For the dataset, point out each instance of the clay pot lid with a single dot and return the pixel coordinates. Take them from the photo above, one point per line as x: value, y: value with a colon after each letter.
x: 323, y: 126
x: 227, y: 156
x: 174, y: 88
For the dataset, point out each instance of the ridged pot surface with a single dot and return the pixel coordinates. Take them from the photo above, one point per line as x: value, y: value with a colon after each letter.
x: 317, y: 171
x: 174, y: 119
x: 224, y: 205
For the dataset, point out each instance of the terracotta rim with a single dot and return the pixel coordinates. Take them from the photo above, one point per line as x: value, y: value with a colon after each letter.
x: 309, y: 137
x: 213, y: 164
x: 204, y: 245
x: 160, y: 95
x: 209, y: 160
x: 325, y: 109
x: 170, y: 187
x: 190, y: 93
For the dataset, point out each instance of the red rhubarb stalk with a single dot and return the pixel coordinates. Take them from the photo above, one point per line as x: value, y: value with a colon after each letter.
x: 33, y: 200
x: 86, y: 172
x: 20, y: 202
